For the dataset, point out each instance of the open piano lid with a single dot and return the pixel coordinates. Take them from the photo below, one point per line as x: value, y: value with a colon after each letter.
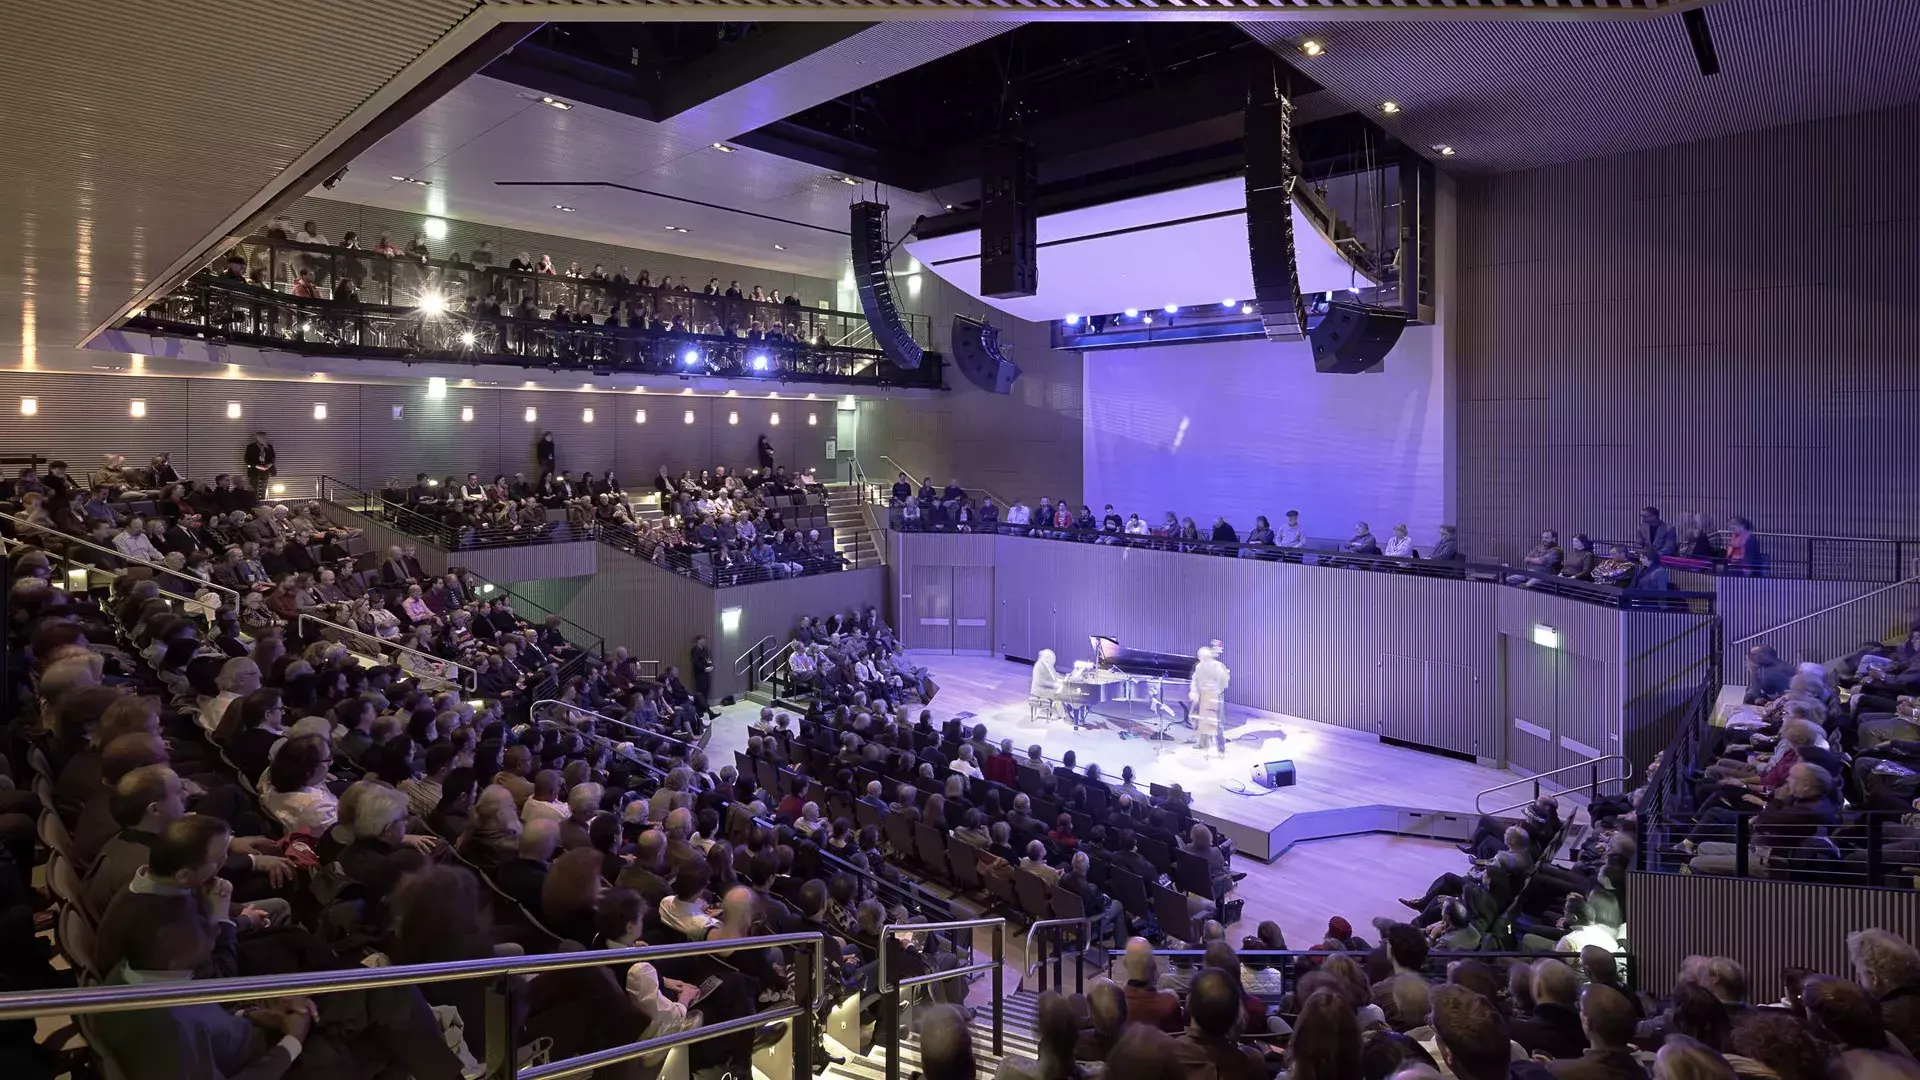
x: 1108, y: 653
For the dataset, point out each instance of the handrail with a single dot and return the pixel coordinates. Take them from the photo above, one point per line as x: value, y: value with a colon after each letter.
x: 771, y: 662
x: 159, y: 568
x: 910, y: 475
x: 1591, y: 763
x: 599, y: 643
x: 614, y: 721
x: 384, y: 643
x: 890, y: 993
x: 1829, y: 609
x: 1085, y: 923
x: 502, y: 1052
x: 746, y: 655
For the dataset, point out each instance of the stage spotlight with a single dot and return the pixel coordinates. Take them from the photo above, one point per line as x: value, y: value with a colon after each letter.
x: 1073, y: 320
x: 1227, y: 303
x: 1172, y: 309
x: 690, y: 357
x: 759, y: 361
x: 467, y: 338
x: 433, y: 303
x: 1132, y: 313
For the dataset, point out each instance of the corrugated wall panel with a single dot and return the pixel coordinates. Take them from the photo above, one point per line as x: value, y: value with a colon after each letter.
x: 1664, y: 658
x: 1706, y: 327
x: 362, y: 442
x: 1756, y: 605
x: 540, y: 562
x: 1777, y: 925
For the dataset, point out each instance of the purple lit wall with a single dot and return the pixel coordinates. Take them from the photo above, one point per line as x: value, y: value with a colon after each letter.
x: 1248, y: 427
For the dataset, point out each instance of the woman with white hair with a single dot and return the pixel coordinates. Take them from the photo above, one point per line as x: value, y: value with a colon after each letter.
x: 1795, y: 821
x: 1888, y: 967
x: 493, y: 830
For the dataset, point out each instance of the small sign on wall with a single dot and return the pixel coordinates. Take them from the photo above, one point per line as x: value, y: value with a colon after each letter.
x: 833, y: 448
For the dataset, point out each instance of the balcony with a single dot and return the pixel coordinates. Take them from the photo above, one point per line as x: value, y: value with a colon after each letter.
x: 359, y: 304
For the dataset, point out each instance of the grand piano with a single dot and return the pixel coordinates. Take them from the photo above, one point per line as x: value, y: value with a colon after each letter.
x: 1127, y: 686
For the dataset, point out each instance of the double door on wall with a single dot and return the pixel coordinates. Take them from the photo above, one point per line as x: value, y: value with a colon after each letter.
x: 1558, y: 710
x: 948, y: 609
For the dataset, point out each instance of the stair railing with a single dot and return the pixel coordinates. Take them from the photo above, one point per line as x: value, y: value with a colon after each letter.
x: 763, y: 671
x: 1037, y: 961
x: 502, y: 1048
x: 1828, y: 610
x: 431, y: 666
x: 686, y: 748
x: 47, y: 539
x: 889, y: 1024
x: 1592, y: 786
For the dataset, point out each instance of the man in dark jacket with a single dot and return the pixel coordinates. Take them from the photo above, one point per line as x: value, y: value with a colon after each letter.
x: 1554, y: 1029
x: 1608, y: 1018
x: 261, y: 464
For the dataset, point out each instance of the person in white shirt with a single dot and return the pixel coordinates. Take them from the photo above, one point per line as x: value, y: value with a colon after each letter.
x: 1019, y: 513
x: 1399, y: 544
x: 545, y: 801
x: 810, y: 820
x: 1289, y: 535
x: 134, y: 543
x: 1136, y: 526
x: 310, y: 234
x: 662, y: 1001
x: 686, y: 909
x: 964, y: 763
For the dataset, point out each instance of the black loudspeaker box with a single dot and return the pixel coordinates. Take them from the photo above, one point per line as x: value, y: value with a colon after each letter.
x: 1355, y: 337
x: 1275, y: 774
x: 869, y: 251
x: 1009, y: 220
x: 976, y: 352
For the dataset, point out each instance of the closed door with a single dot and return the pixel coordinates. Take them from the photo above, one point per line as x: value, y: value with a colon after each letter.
x: 930, y: 623
x: 1532, y: 704
x: 1586, y: 724
x: 1400, y: 698
x: 973, y: 610
x: 1427, y: 703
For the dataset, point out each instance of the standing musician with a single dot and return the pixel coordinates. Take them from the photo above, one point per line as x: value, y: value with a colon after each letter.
x: 1207, y: 694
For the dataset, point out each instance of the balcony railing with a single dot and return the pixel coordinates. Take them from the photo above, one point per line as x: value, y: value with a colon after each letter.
x: 449, y: 535
x: 236, y: 311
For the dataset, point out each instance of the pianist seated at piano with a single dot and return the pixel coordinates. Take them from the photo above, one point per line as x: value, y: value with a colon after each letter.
x: 1047, y: 683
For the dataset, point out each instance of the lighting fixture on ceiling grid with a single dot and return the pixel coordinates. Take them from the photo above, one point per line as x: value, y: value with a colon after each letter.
x: 555, y: 103
x: 1389, y: 107
x: 723, y: 148
x: 563, y: 208
x: 1312, y: 47
x: 850, y: 181
x: 1443, y: 149
x: 413, y: 180
x: 779, y: 247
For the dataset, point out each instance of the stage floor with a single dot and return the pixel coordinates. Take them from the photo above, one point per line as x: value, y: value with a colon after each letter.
x: 1341, y: 772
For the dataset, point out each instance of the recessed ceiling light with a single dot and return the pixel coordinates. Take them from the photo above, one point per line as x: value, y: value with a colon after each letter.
x: 555, y: 103
x: 1312, y: 47
x: 723, y: 148
x: 847, y: 180
x: 413, y: 180
x: 1443, y: 149
x: 563, y: 209
x: 1389, y: 107
x: 779, y: 247
x: 949, y: 206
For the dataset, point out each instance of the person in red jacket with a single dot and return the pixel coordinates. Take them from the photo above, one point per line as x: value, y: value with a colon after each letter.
x: 1003, y: 767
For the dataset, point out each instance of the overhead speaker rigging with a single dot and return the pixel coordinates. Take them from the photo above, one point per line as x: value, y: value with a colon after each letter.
x: 873, y: 278
x: 1268, y: 147
x: 1009, y: 220
x: 976, y: 352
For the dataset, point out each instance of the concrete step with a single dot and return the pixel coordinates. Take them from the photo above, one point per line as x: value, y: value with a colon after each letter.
x: 1019, y: 1013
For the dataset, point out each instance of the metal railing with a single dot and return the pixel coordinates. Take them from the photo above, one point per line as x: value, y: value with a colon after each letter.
x: 209, y: 307
x: 1287, y: 966
x: 1828, y: 610
x: 403, y: 280
x: 701, y: 566
x: 745, y: 662
x: 534, y: 611
x: 974, y: 493
x: 888, y: 1026
x: 577, y: 710
x: 1038, y: 960
x: 26, y: 531
x: 1592, y: 786
x: 471, y: 680
x: 502, y: 1046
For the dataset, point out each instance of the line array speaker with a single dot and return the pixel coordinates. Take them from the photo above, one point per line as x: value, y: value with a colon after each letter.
x: 1353, y: 338
x: 976, y: 351
x: 1268, y: 147
x: 870, y: 248
x: 1009, y: 220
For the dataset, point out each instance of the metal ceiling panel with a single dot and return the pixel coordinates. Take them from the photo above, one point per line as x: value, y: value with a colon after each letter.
x: 1520, y: 94
x: 592, y: 10
x: 135, y: 128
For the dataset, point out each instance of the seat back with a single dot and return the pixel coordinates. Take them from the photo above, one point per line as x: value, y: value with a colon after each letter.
x: 1170, y: 910
x: 899, y: 833
x: 963, y: 864
x: 1000, y: 887
x: 865, y: 813
x: 930, y: 845
x: 76, y: 939
x: 64, y: 882
x: 1032, y: 893
x: 53, y: 832
x: 1127, y: 888
x: 1190, y: 873
x: 1155, y: 851
x: 1068, y: 904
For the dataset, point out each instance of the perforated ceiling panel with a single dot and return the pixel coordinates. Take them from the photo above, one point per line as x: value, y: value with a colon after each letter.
x: 880, y: 9
x: 132, y: 129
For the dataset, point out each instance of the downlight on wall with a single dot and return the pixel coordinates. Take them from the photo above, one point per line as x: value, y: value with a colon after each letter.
x: 233, y: 410
x: 1546, y: 636
x: 137, y: 408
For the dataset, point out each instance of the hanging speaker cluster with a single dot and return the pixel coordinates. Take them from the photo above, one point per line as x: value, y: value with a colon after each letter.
x: 875, y: 285
x: 1276, y: 274
x: 1350, y: 337
x: 976, y: 352
x: 1009, y: 220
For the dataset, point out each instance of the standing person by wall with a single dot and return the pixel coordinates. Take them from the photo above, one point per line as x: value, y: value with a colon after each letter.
x: 703, y: 672
x: 261, y: 465
x: 543, y: 451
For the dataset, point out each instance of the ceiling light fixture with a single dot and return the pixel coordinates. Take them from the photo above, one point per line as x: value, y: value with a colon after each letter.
x: 847, y: 180
x: 555, y: 103
x: 1389, y: 107
x: 466, y: 414
x: 779, y: 247
x: 723, y: 148
x: 562, y: 208
x: 414, y: 180
x: 1312, y: 47
x: 949, y: 206
x: 1443, y: 149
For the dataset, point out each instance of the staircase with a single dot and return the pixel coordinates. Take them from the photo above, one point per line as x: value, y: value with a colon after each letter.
x: 851, y: 537
x: 1020, y: 1013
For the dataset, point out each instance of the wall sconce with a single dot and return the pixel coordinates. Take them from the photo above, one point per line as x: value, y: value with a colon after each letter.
x: 689, y: 417
x: 436, y: 388
x: 733, y: 418
x: 532, y: 415
x: 319, y: 410
x: 586, y: 416
x: 639, y: 416
x: 29, y: 406
x: 466, y: 414
x: 813, y: 419
x: 774, y: 419
x: 137, y: 408
x: 233, y: 410
x: 730, y: 620
x: 1546, y: 635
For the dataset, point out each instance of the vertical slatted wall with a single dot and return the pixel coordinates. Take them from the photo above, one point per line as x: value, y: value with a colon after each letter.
x: 1722, y: 326
x: 1767, y: 925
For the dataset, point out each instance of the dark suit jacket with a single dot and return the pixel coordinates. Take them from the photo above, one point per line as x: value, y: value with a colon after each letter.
x: 193, y: 1040
x: 1599, y: 1065
x: 522, y: 879
x: 1553, y: 1030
